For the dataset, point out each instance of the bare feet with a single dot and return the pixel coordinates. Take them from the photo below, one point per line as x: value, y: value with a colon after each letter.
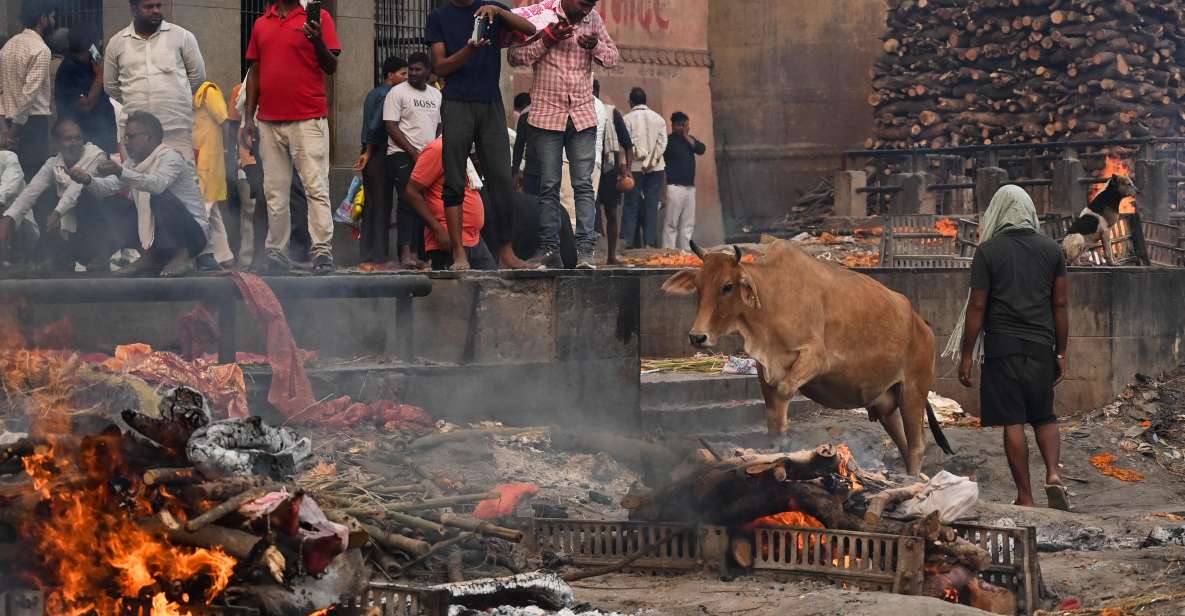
x: 413, y: 264
x: 146, y: 264
x: 508, y: 260
x: 178, y: 264
x: 461, y: 265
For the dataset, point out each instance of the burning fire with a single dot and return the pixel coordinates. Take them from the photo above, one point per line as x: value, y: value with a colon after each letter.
x: 947, y: 227
x: 847, y: 467
x: 95, y: 555
x: 787, y: 519
x: 1115, y: 166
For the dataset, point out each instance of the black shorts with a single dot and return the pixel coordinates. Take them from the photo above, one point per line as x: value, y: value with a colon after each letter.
x: 1017, y: 389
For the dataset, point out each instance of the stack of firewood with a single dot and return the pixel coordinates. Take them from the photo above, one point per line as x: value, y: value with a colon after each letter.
x: 1014, y: 71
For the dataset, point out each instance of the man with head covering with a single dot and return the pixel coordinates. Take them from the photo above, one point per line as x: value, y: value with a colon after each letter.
x: 1016, y: 324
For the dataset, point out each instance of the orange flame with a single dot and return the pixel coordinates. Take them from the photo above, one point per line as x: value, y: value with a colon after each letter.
x: 91, y: 545
x: 947, y: 227
x: 848, y: 467
x: 1115, y: 166
x: 787, y: 519
x: 950, y: 594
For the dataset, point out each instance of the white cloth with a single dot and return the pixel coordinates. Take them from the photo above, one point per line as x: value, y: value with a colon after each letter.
x: 12, y: 179
x: 950, y: 495
x: 1011, y: 207
x: 649, y: 133
x: 163, y: 170
x: 680, y: 217
x: 417, y: 113
x: 25, y: 77
x: 158, y: 74
x: 610, y: 144
x: 143, y: 199
x: 68, y: 191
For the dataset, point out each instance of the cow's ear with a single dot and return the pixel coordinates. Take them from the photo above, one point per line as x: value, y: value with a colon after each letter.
x: 682, y: 283
x: 749, y: 291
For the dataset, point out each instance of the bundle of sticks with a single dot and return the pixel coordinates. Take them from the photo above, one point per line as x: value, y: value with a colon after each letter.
x: 1016, y: 71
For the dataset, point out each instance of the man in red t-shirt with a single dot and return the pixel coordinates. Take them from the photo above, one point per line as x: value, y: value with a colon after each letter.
x: 425, y: 193
x: 290, y: 55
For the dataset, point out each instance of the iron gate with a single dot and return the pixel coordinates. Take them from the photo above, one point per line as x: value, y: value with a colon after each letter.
x: 399, y: 29
x: 249, y: 11
x: 73, y: 13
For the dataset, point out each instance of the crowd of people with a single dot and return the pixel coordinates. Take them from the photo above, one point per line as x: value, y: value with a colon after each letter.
x: 125, y: 156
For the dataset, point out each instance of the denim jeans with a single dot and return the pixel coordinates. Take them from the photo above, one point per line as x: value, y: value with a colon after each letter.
x: 550, y: 146
x: 641, y: 208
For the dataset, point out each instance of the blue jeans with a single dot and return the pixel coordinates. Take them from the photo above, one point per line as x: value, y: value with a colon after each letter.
x: 641, y: 208
x: 581, y: 147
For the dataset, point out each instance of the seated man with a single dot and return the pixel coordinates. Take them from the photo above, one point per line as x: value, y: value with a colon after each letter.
x: 72, y: 216
x: 169, y: 222
x: 424, y: 193
x: 12, y: 182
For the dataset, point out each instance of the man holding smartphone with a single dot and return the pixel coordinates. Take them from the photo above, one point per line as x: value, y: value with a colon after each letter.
x: 473, y: 115
x: 291, y: 51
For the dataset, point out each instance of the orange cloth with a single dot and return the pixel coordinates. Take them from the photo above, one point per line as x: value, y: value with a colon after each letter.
x: 509, y: 496
x: 429, y: 172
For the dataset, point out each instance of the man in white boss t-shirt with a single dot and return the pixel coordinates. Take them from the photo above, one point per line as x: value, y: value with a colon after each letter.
x: 411, y: 114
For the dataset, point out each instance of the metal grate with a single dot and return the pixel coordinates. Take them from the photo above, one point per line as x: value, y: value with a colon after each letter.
x: 399, y: 29
x: 863, y: 561
x: 397, y: 600
x: 249, y: 11
x: 590, y: 542
x: 71, y: 13
x: 1014, y: 560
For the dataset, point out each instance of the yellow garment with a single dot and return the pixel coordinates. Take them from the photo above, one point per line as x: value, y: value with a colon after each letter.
x: 209, y: 113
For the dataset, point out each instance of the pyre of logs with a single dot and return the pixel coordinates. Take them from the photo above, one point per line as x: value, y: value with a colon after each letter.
x: 825, y: 484
x: 1014, y: 71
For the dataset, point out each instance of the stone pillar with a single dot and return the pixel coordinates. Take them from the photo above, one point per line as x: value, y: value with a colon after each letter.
x: 1068, y: 194
x: 913, y: 198
x: 353, y: 80
x: 1152, y: 176
x: 215, y: 24
x: 988, y: 180
x: 849, y: 202
x: 961, y: 200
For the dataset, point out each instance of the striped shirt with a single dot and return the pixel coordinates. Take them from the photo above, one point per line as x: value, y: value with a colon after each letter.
x: 24, y: 78
x: 562, y: 87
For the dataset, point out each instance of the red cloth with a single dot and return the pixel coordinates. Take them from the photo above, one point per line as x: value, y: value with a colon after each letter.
x: 509, y: 496
x: 291, y: 84
x: 197, y: 332
x: 291, y: 391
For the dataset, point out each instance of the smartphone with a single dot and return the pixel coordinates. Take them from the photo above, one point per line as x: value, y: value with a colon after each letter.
x: 95, y: 55
x: 314, y: 11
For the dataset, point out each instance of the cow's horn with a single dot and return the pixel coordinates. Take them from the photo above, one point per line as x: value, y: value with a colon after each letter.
x: 737, y: 249
x: 699, y: 252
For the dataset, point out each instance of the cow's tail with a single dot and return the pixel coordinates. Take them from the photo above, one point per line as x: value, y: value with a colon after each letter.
x: 936, y: 430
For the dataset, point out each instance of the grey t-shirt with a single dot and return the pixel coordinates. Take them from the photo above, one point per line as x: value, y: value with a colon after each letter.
x: 417, y: 112
x: 1018, y: 268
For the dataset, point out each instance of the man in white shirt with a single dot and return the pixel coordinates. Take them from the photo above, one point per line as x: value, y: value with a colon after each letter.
x: 648, y: 130
x: 411, y: 114
x: 75, y: 230
x: 156, y: 67
x: 25, y: 87
x: 12, y: 182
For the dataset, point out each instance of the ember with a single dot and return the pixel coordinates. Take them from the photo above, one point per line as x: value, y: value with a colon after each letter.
x: 947, y: 227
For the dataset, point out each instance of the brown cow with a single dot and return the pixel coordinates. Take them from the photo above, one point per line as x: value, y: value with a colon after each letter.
x: 841, y: 338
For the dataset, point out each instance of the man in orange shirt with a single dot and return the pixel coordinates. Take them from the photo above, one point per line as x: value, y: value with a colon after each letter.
x: 425, y: 194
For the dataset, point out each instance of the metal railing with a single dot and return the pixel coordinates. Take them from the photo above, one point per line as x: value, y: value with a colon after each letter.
x: 399, y: 29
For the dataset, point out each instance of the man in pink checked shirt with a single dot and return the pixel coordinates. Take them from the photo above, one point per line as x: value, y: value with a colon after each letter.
x: 570, y: 36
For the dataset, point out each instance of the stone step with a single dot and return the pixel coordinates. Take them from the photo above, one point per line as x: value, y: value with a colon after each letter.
x: 666, y: 390
x: 734, y: 417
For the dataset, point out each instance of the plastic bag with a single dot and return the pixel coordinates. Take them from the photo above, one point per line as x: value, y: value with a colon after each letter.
x: 354, y: 198
x: 740, y: 365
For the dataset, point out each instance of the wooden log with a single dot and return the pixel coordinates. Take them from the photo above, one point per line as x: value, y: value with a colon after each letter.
x: 413, y: 547
x: 742, y: 550
x: 432, y: 440
x: 481, y: 527
x: 456, y: 566
x: 222, y: 489
x: 170, y: 475
x: 877, y: 503
x: 237, y: 543
x: 224, y: 509
x: 444, y: 501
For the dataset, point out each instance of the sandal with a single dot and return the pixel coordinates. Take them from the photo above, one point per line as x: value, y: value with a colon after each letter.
x: 1058, y: 497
